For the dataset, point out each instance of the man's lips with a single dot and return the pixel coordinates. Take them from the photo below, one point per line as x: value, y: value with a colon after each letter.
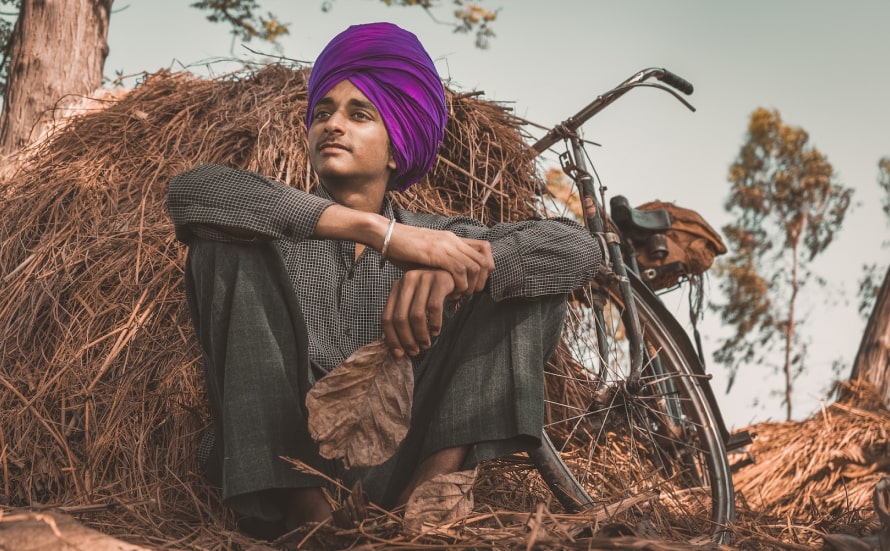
x: 331, y: 145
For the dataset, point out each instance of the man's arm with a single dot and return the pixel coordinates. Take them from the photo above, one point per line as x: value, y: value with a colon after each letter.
x: 244, y: 205
x: 535, y: 257
x: 530, y: 259
x: 414, y: 311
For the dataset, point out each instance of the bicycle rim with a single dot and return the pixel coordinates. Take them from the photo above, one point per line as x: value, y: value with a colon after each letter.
x: 652, y: 455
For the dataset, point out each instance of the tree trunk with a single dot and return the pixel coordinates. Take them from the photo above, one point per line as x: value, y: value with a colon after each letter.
x: 872, y: 362
x: 789, y: 329
x: 792, y: 303
x: 58, y: 49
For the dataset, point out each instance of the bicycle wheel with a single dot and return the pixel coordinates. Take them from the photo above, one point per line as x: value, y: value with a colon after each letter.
x: 651, y: 454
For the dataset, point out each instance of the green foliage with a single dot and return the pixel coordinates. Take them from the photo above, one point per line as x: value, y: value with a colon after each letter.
x: 884, y: 182
x: 788, y: 208
x: 469, y: 17
x: 869, y: 285
x: 779, y: 178
x: 474, y: 17
x: 241, y: 15
x: 873, y: 274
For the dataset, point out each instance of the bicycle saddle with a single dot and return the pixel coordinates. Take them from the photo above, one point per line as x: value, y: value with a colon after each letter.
x: 635, y: 223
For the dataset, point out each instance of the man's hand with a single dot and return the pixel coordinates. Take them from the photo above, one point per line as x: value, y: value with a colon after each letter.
x: 413, y: 313
x: 468, y: 261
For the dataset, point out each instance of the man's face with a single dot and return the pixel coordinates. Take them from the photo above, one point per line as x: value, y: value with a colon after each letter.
x: 348, y: 142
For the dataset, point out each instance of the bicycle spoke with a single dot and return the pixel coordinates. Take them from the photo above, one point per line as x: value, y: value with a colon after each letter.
x: 619, y: 442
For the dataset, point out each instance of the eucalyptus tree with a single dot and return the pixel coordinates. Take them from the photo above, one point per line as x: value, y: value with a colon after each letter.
x: 787, y: 206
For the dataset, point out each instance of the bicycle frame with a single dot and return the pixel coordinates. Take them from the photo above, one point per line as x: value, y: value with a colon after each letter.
x: 595, y: 215
x: 660, y: 386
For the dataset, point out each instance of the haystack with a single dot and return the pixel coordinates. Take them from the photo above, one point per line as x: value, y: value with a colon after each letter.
x: 821, y: 471
x: 101, y: 390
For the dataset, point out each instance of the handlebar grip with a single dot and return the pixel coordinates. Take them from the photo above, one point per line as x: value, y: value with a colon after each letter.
x: 676, y: 81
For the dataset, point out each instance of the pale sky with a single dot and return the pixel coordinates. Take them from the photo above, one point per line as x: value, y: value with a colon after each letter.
x: 822, y: 64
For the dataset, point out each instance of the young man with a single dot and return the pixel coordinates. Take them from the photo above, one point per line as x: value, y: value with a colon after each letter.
x: 284, y: 285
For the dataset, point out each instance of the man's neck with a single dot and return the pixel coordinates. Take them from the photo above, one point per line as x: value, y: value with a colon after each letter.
x: 367, y: 198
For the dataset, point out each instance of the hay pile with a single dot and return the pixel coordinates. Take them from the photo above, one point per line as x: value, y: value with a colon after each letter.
x: 101, y: 396
x: 818, y: 475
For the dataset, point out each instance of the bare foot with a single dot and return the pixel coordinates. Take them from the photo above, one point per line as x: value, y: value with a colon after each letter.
x: 444, y: 461
x: 306, y: 505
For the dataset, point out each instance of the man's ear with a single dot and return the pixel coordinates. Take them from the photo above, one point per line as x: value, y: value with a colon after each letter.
x: 391, y: 162
x: 391, y: 165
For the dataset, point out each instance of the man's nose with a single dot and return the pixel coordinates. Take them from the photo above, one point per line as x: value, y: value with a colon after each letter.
x: 334, y: 123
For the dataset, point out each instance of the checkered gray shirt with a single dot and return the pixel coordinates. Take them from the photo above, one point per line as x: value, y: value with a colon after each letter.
x: 343, y: 298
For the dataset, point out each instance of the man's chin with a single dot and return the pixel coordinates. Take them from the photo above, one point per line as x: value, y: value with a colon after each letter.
x: 346, y: 180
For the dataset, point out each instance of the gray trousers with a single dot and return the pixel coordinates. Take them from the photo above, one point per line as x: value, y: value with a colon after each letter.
x: 479, y: 385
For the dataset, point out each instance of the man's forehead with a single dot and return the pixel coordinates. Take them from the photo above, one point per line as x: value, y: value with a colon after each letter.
x: 346, y: 90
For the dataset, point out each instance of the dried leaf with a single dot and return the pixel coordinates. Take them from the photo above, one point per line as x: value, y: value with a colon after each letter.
x: 354, y: 509
x: 361, y: 410
x: 440, y: 500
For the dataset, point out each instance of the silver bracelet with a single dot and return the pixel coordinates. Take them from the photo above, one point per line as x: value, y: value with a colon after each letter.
x: 383, y: 249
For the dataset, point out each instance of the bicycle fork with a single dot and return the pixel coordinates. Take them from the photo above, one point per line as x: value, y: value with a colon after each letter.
x: 594, y: 217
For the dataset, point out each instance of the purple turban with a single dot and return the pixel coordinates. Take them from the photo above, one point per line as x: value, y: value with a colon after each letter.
x: 390, y: 66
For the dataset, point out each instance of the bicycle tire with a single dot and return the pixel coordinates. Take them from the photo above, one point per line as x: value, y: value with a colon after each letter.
x: 605, y: 445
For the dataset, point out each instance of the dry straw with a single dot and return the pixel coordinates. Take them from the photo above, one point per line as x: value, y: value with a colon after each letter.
x: 101, y: 390
x: 821, y: 471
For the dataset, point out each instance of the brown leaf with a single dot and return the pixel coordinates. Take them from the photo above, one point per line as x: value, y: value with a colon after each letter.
x: 440, y: 500
x: 361, y: 410
x: 354, y: 509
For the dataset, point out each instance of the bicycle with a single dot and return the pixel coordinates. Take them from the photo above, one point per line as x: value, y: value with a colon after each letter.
x: 632, y: 424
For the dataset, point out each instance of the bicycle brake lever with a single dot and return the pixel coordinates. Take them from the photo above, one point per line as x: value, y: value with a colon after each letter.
x: 667, y: 89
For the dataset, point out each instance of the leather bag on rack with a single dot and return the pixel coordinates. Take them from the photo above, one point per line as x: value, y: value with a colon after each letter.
x: 687, y: 249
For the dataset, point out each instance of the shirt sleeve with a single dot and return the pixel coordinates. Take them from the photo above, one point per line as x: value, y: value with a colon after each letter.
x: 213, y: 196
x: 535, y: 257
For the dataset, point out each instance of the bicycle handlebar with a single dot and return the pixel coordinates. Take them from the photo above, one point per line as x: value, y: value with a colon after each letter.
x: 571, y: 125
x: 675, y: 80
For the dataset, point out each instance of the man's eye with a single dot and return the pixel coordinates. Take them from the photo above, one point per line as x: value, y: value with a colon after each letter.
x: 361, y: 115
x: 321, y: 115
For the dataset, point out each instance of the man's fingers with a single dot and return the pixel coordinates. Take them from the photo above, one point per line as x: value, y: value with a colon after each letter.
x: 484, y: 249
x: 390, y: 335
x: 459, y: 274
x: 414, y: 311
x: 417, y: 316
x: 436, y: 308
x: 477, y: 263
x: 401, y: 320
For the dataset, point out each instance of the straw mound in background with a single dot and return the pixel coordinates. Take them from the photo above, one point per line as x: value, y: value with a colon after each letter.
x: 101, y: 392
x: 818, y: 475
